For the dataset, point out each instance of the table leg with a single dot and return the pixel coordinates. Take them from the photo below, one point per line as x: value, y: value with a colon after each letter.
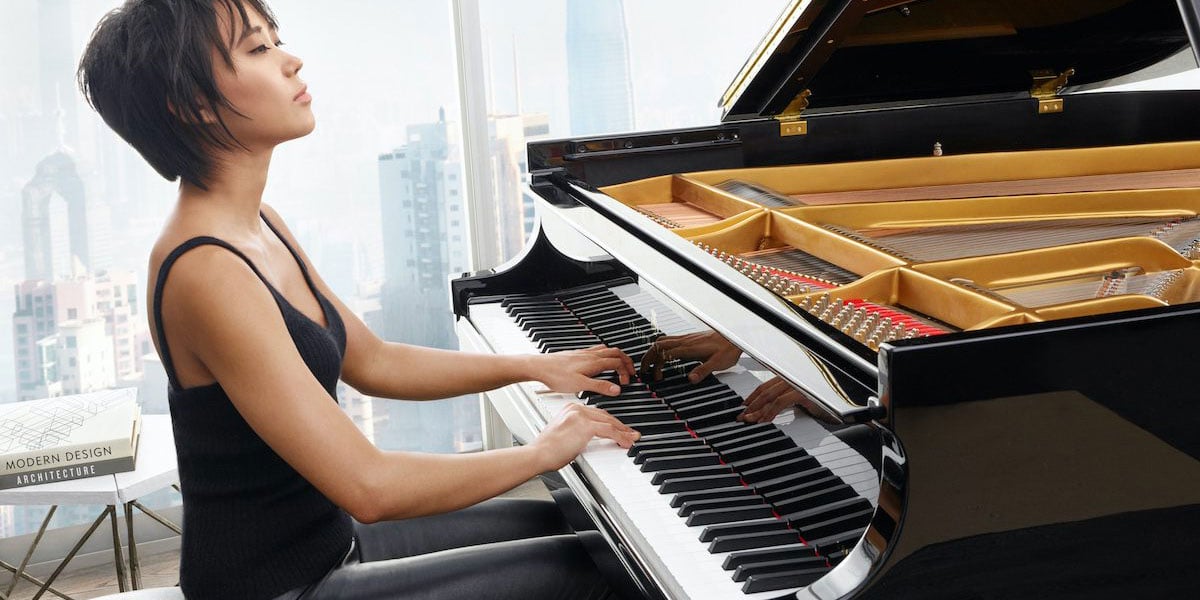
x: 25, y: 561
x: 118, y: 560
x: 33, y: 580
x: 83, y: 540
x: 135, y: 570
x: 157, y: 517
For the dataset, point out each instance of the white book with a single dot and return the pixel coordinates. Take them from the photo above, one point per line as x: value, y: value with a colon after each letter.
x: 68, y: 437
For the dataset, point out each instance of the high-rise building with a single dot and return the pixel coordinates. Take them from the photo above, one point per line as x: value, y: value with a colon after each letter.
x: 423, y: 215
x: 75, y: 335
x: 33, y: 320
x: 55, y: 247
x: 424, y: 234
x: 598, y: 83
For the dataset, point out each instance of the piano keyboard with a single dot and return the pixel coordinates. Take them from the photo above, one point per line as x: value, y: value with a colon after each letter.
x: 722, y: 509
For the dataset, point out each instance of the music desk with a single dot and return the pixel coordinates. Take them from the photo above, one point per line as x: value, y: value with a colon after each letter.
x: 156, y: 469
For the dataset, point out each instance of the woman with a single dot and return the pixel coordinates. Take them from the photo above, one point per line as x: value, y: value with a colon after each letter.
x: 283, y: 496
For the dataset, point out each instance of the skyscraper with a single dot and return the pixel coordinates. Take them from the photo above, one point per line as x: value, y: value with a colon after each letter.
x: 423, y: 215
x: 53, y: 250
x: 601, y: 94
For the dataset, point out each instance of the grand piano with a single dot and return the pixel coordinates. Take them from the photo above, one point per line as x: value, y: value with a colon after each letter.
x: 946, y: 226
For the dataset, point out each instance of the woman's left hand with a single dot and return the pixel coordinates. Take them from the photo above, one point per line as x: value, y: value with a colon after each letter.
x: 572, y: 371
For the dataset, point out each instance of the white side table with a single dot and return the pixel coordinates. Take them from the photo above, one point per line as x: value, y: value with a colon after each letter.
x: 156, y: 469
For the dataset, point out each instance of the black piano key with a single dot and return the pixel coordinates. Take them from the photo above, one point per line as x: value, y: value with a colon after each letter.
x: 715, y: 429
x: 695, y: 396
x: 713, y: 532
x: 738, y: 491
x: 712, y: 516
x: 779, y: 469
x: 616, y: 407
x: 533, y: 325
x: 635, y: 351
x: 647, y: 416
x: 682, y: 384
x: 837, y: 525
x: 725, y: 415
x: 750, y: 437
x: 630, y: 391
x: 693, y: 505
x: 559, y: 333
x: 568, y: 344
x: 683, y: 461
x: 667, y: 435
x: 772, y: 567
x: 815, y: 499
x: 708, y: 482
x: 631, y: 334
x: 606, y: 311
x: 797, y: 552
x: 621, y: 320
x: 763, y: 447
x: 820, y: 479
x: 837, y: 546
x: 688, y: 412
x: 821, y: 513
x: 769, y: 458
x: 657, y: 427
x: 740, y: 430
x: 639, y: 447
x: 746, y: 541
x: 784, y: 489
x: 646, y: 455
x: 784, y: 580
x: 667, y: 475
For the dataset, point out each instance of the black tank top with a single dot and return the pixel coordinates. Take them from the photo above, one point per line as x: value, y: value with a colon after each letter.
x: 252, y: 526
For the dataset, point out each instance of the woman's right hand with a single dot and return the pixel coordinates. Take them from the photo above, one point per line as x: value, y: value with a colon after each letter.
x: 566, y: 436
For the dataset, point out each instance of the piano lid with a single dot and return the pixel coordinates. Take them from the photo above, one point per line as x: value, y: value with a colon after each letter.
x: 853, y: 52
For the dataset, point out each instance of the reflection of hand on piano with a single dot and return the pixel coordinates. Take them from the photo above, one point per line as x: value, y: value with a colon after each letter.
x: 715, y: 352
x: 567, y: 435
x: 770, y: 398
x: 572, y: 371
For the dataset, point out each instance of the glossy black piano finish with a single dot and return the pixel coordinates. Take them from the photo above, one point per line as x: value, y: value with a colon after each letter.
x: 1047, y: 460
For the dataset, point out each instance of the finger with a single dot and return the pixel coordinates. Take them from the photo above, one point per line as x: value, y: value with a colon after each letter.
x: 599, y: 386
x: 603, y: 416
x: 624, y: 369
x: 623, y: 438
x: 704, y: 370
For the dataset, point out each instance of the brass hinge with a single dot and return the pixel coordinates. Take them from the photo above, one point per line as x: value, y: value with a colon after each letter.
x: 1046, y: 86
x: 790, y: 122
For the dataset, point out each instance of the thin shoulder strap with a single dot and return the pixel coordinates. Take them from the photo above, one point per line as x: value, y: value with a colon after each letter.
x: 295, y: 255
x: 165, y: 269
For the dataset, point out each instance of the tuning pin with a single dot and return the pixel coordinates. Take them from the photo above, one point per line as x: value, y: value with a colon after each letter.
x: 842, y: 316
x: 866, y: 327
x: 820, y: 304
x: 804, y: 302
x: 831, y: 310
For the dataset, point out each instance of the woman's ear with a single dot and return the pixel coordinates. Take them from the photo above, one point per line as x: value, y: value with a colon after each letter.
x: 200, y: 115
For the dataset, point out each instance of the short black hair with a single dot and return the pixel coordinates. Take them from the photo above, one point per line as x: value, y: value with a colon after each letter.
x: 148, y: 71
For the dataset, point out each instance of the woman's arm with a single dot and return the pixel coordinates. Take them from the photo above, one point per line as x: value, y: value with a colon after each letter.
x: 235, y: 328
x: 394, y: 370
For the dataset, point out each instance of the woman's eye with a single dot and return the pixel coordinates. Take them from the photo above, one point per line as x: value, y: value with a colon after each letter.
x: 259, y: 50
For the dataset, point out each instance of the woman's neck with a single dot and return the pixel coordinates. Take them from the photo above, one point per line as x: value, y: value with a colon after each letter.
x: 234, y: 196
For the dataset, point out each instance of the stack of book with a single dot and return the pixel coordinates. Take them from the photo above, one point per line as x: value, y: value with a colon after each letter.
x: 68, y: 437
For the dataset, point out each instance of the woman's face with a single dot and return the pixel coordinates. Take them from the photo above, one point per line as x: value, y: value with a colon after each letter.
x: 264, y: 86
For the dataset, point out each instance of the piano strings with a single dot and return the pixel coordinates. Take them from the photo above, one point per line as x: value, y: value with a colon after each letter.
x: 785, y: 271
x: 949, y: 242
x: 1165, y: 286
x: 677, y: 215
x: 758, y: 194
x: 871, y: 323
